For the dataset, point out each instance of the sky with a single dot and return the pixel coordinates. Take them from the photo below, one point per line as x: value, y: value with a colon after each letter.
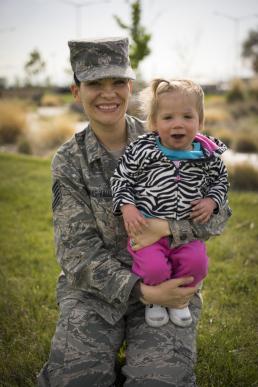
x: 197, y: 39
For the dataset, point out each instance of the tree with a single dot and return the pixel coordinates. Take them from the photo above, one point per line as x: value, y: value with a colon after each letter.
x: 250, y: 49
x: 139, y: 47
x: 35, y: 65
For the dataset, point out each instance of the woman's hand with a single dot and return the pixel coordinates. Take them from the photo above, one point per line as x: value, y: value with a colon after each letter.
x: 154, y: 230
x: 170, y: 293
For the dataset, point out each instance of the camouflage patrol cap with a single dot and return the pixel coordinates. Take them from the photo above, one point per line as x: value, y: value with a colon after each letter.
x: 100, y: 58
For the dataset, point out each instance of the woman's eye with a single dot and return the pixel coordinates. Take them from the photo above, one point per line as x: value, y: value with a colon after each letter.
x: 93, y: 83
x: 120, y: 82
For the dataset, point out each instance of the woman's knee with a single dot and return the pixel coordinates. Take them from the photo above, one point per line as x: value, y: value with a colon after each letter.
x: 81, y: 354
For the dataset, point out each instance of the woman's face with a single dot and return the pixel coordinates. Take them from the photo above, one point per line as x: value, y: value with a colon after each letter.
x: 105, y: 101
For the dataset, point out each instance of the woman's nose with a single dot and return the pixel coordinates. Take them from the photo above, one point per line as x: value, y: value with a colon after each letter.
x: 108, y: 91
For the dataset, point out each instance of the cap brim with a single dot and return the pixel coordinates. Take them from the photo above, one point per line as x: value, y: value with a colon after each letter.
x: 105, y: 72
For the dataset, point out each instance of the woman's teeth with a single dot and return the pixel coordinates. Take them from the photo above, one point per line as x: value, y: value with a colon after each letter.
x: 107, y: 107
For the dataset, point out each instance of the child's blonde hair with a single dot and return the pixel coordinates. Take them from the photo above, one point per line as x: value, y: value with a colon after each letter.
x: 149, y: 97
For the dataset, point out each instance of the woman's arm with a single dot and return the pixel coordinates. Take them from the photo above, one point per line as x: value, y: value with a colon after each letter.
x: 169, y: 294
x: 81, y: 252
x: 181, y: 231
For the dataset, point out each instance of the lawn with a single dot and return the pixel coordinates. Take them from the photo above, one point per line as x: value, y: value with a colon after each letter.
x: 228, y: 330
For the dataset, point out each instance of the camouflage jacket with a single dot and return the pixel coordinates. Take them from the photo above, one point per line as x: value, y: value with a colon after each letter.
x: 90, y: 241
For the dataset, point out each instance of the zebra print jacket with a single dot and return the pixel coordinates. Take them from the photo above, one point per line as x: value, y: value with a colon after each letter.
x: 162, y: 188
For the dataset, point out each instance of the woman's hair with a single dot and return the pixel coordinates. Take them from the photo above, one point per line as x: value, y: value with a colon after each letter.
x: 76, y: 80
x: 149, y: 97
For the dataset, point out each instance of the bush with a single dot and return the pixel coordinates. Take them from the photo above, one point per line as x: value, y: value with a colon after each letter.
x: 55, y: 132
x: 245, y: 143
x: 243, y: 177
x: 225, y: 136
x: 12, y: 121
x: 50, y: 100
x: 253, y: 89
x: 24, y: 146
x: 236, y: 92
x: 214, y: 116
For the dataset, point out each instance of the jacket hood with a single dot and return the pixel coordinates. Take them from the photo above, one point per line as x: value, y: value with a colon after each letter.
x: 211, y: 144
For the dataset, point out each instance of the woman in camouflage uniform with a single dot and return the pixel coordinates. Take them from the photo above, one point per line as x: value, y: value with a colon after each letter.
x: 101, y: 301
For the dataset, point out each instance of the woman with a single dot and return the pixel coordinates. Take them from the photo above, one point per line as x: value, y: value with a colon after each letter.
x: 101, y: 302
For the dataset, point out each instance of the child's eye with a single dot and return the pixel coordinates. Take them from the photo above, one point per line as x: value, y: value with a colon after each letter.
x: 167, y: 117
x: 188, y: 116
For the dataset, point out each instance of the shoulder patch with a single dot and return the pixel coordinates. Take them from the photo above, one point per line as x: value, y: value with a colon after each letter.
x: 57, y: 194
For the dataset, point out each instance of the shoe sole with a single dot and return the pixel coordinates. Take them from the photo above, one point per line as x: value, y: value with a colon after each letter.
x: 157, y: 324
x: 181, y: 323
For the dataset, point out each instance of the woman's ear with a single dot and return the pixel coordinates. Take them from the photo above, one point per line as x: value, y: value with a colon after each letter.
x: 75, y: 90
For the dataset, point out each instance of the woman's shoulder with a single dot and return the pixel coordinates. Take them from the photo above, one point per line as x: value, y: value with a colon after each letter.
x: 67, y: 152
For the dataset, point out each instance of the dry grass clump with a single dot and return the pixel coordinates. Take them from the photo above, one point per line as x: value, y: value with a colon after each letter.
x: 243, y: 177
x: 12, y: 121
x: 52, y: 133
x: 245, y: 142
x: 253, y: 89
x: 242, y: 109
x: 225, y: 135
x: 50, y: 100
x: 24, y: 146
x: 237, y: 91
x: 215, y: 115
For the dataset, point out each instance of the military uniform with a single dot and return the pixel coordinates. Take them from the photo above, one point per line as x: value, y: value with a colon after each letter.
x: 98, y: 310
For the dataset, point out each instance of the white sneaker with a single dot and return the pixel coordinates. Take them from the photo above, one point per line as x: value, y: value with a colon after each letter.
x: 156, y: 315
x: 180, y: 317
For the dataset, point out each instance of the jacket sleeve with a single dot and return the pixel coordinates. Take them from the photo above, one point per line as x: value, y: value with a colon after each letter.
x: 184, y: 231
x: 123, y: 180
x: 86, y: 262
x: 219, y: 182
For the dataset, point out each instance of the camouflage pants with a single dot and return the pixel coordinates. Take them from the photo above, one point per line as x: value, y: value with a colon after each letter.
x: 84, y: 349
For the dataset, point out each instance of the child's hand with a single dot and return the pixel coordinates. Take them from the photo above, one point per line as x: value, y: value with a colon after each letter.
x: 134, y: 221
x: 202, y: 210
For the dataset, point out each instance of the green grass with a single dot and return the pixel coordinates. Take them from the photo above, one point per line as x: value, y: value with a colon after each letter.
x: 28, y: 269
x: 228, y: 330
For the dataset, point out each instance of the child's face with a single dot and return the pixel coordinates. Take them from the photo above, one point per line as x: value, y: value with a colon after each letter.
x: 177, y: 120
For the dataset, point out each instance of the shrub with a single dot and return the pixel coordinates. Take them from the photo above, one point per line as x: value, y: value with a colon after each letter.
x: 215, y: 115
x: 253, y: 89
x: 243, y: 109
x: 237, y: 91
x: 243, y: 177
x: 50, y: 100
x: 12, y: 121
x: 225, y: 136
x: 55, y: 132
x: 246, y: 143
x: 24, y: 146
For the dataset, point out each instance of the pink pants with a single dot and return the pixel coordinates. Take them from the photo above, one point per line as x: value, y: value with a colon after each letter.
x: 158, y: 262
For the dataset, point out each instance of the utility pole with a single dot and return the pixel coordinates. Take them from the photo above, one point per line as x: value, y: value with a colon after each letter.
x: 78, y: 7
x: 236, y: 21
